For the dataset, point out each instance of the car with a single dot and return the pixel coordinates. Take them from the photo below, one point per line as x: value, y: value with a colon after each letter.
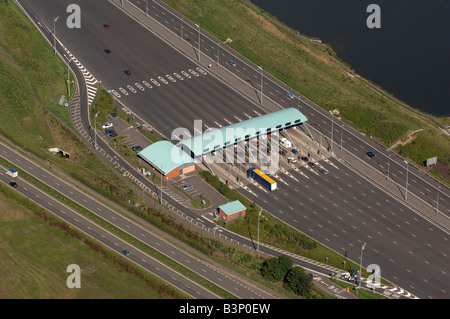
x: 370, y: 154
x: 304, y: 158
x: 107, y: 125
x: 292, y: 160
x: 126, y: 252
x: 114, y: 115
x: 187, y: 187
x: 106, y: 26
x: 290, y: 95
x: 107, y: 51
x: 127, y: 72
x: 323, y: 171
x: 13, y: 184
x: 294, y: 151
x: 313, y: 276
x: 232, y: 63
x: 282, y: 152
x: 113, y: 134
x: 311, y: 164
x: 110, y: 131
x: 136, y: 148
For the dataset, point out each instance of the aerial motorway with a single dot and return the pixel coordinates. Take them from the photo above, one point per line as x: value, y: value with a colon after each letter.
x: 169, y: 73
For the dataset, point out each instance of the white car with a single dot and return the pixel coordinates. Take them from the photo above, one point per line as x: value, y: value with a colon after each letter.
x: 107, y: 125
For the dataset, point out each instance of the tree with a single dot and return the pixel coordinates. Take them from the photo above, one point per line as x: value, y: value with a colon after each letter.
x: 275, y: 269
x: 298, y: 282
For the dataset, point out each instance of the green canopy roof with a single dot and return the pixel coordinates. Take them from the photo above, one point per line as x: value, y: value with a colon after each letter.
x: 165, y: 156
x: 220, y: 138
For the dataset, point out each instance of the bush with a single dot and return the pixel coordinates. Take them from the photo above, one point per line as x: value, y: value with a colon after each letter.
x: 298, y: 282
x: 274, y: 269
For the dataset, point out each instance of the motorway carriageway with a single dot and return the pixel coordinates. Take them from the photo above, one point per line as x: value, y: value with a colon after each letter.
x: 227, y: 280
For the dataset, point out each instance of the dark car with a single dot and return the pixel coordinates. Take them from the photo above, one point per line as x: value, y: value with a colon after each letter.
x: 126, y: 252
x: 110, y: 132
x: 113, y: 134
x: 136, y: 148
x: 107, y: 51
x: 106, y: 26
x: 114, y: 115
x: 370, y: 154
x: 13, y: 184
x: 304, y: 158
x: 127, y: 72
x: 311, y: 164
x: 323, y: 171
x: 294, y: 151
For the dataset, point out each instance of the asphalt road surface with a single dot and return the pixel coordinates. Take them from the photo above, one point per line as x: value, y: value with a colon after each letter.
x: 177, y: 104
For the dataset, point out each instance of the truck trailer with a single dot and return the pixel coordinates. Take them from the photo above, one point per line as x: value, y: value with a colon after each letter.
x: 262, y: 178
x: 12, y: 172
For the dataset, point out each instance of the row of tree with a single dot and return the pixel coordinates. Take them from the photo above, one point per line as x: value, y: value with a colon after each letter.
x: 294, y: 278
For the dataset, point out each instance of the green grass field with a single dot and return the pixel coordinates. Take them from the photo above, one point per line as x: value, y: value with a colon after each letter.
x: 34, y: 258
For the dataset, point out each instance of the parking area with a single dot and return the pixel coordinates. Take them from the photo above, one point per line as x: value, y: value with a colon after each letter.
x: 132, y: 136
x: 197, y: 187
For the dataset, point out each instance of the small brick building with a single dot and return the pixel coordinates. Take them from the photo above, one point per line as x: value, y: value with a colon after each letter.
x: 231, y: 211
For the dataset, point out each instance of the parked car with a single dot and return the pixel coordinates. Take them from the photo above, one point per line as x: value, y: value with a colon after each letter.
x: 107, y: 125
x: 114, y: 115
x: 110, y: 132
x: 323, y: 171
x: 187, y: 187
x: 136, y: 148
x: 113, y: 134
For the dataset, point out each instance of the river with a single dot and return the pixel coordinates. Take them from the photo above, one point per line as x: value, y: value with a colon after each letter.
x: 409, y: 56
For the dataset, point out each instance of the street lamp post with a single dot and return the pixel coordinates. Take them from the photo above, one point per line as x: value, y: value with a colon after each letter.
x: 257, y: 247
x: 360, y: 262
x: 406, y: 186
x: 54, y: 32
x: 218, y: 54
x: 95, y: 131
x: 162, y: 167
x: 437, y: 201
x: 389, y: 162
x: 181, y: 33
x: 262, y: 82
x: 332, y: 129
x: 198, y: 26
x: 68, y: 78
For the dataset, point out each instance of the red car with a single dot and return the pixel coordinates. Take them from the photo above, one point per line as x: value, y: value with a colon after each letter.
x: 106, y: 26
x: 113, y: 135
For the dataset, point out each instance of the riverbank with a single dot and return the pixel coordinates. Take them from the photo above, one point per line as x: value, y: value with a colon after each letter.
x: 312, y: 69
